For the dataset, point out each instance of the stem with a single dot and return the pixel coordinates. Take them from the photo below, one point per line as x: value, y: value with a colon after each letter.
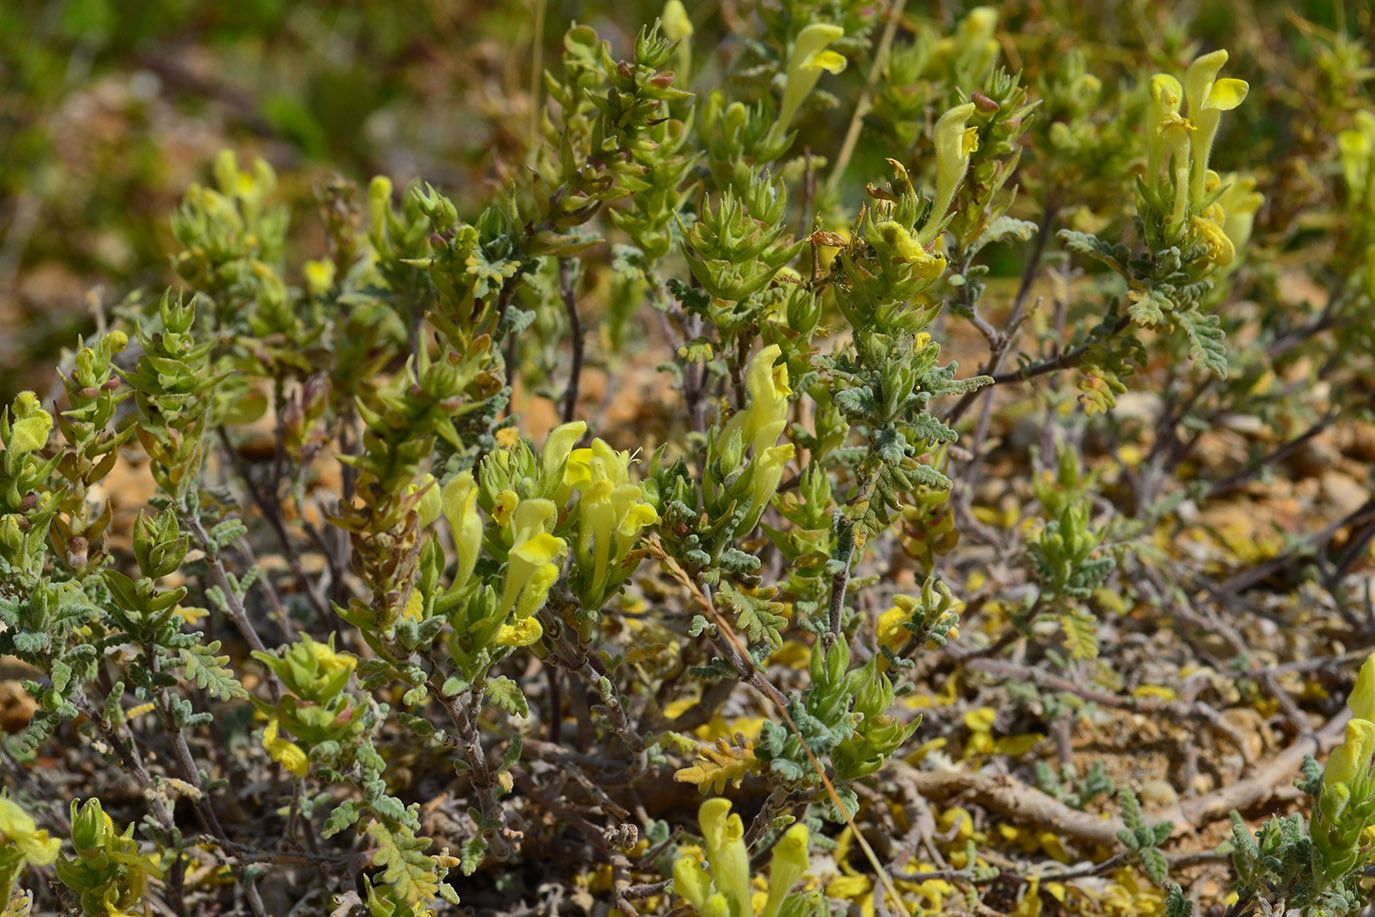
x: 1002, y: 344
x: 536, y: 68
x: 570, y: 304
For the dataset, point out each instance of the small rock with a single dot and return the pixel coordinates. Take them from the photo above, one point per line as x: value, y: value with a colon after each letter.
x: 1316, y: 456
x: 1342, y: 492
x: 16, y: 706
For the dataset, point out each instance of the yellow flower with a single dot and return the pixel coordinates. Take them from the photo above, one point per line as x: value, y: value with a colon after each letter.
x: 522, y: 633
x: 17, y: 828
x: 809, y: 59
x: 691, y: 880
x: 726, y: 851
x: 612, y: 510
x: 1219, y: 249
x: 283, y: 751
x: 458, y: 500
x: 531, y: 564
x: 1208, y: 98
x: 677, y: 25
x: 954, y: 142
x: 1163, y: 109
x: 1357, y: 149
x: 504, y: 507
x: 319, y: 276
x: 31, y: 425
x: 892, y: 630
x: 331, y: 663
x: 1240, y: 202
x: 929, y: 265
x: 1350, y: 762
x: 767, y: 416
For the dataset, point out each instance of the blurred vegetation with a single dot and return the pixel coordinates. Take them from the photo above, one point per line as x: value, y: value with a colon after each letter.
x: 109, y: 109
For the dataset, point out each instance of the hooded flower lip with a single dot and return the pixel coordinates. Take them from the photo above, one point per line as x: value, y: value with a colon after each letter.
x: 558, y: 446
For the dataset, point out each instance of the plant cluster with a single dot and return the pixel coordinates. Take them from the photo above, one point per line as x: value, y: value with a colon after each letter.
x: 401, y: 619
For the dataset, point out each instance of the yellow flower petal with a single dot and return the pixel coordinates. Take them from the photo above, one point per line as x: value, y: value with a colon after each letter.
x: 1362, y: 699
x: 830, y: 61
x: 522, y: 633
x: 1227, y: 94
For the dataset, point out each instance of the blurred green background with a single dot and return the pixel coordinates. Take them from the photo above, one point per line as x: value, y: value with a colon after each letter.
x: 109, y: 108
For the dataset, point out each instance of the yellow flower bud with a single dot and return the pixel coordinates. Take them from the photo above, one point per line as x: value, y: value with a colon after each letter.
x: 319, y: 276
x: 431, y: 503
x: 787, y: 866
x: 677, y: 25
x: 31, y: 425
x: 1240, y: 202
x: 691, y: 881
x: 1362, y: 699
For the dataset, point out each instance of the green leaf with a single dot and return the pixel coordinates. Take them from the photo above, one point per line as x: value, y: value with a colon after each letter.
x: 1207, y: 342
x: 1081, y: 635
x: 1150, y: 308
x: 506, y: 694
x: 344, y: 815
x: 209, y: 672
x: 1113, y: 255
x: 405, y: 867
x: 1155, y: 864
